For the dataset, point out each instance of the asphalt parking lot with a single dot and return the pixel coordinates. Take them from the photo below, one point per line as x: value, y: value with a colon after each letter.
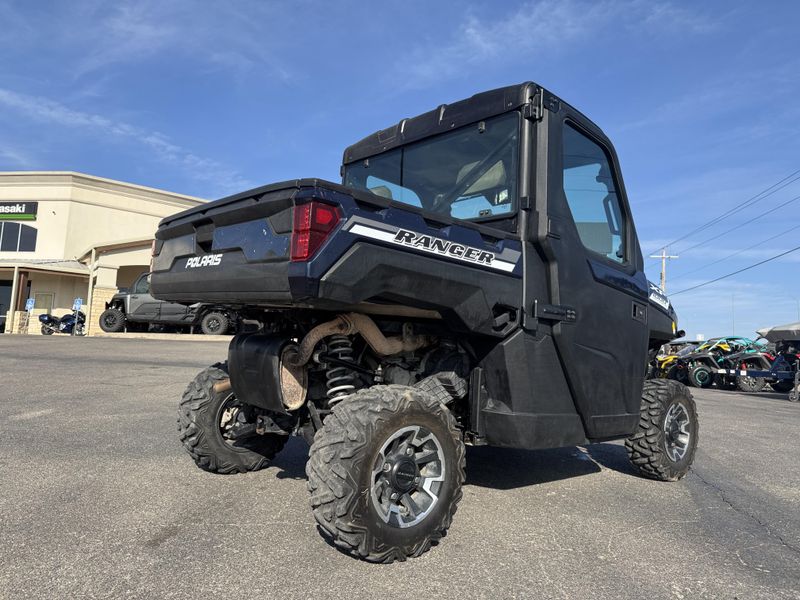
x: 98, y: 499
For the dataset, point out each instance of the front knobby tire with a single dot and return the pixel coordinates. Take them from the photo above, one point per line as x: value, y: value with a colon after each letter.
x: 664, y: 443
x: 385, y: 442
x: 112, y: 320
x: 201, y: 416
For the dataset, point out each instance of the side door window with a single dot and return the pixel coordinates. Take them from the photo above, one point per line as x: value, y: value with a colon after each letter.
x: 142, y: 285
x: 142, y: 304
x: 591, y: 194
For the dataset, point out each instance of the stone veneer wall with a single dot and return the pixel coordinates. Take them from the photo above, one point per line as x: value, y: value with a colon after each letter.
x: 100, y: 295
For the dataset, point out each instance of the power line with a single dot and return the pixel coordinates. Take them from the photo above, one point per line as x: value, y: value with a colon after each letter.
x: 766, y: 260
x: 727, y: 231
x: 738, y: 252
x: 752, y: 200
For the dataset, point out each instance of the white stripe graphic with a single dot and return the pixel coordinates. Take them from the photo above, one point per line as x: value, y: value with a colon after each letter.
x: 388, y: 236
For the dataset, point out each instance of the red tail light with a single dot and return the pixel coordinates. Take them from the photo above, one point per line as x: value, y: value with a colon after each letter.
x: 313, y: 222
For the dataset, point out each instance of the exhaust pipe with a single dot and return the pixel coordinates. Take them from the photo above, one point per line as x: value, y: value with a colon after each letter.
x: 350, y: 323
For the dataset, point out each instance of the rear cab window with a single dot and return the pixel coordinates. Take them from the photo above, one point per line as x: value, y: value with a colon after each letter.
x: 469, y: 173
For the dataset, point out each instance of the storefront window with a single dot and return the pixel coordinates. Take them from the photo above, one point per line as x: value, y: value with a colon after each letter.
x: 16, y: 237
x: 43, y: 301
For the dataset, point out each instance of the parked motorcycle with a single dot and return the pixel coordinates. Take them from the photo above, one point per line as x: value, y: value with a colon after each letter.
x: 65, y: 324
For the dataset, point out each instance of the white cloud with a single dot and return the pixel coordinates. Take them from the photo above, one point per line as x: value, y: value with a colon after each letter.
x: 94, y: 37
x: 538, y: 24
x: 11, y: 157
x: 128, y: 33
x: 201, y: 169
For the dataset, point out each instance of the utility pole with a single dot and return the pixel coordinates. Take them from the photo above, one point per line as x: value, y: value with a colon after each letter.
x: 664, y: 257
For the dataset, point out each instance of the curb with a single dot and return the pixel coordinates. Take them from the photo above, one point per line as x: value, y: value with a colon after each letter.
x: 184, y: 337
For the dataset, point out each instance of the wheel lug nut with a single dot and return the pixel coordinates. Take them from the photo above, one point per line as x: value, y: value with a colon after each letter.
x: 409, y: 451
x: 416, y: 479
x: 387, y: 467
x: 395, y: 496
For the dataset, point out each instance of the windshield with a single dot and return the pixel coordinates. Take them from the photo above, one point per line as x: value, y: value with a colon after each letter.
x: 469, y: 173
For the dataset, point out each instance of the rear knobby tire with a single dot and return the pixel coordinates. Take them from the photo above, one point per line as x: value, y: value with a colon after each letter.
x: 356, y: 439
x: 750, y: 384
x: 214, y: 323
x: 199, y: 429
x: 651, y: 448
x: 782, y: 386
x: 701, y: 376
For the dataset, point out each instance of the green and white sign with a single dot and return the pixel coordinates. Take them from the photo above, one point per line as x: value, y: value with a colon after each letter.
x: 18, y: 211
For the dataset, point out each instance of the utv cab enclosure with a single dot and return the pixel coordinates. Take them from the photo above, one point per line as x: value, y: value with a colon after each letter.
x: 475, y: 278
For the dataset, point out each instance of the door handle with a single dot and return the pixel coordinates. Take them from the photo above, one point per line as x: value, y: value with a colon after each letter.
x: 554, y: 312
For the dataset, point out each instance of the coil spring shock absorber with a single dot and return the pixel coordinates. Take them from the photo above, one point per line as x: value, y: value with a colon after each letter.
x: 341, y: 380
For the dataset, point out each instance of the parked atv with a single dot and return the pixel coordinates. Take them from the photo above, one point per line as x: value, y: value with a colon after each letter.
x: 669, y: 366
x: 475, y: 279
x: 702, y: 364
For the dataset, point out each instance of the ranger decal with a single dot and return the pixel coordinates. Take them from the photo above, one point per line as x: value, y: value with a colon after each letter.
x: 434, y: 245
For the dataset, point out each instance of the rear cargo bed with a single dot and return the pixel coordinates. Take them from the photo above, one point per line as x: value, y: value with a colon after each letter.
x: 236, y: 247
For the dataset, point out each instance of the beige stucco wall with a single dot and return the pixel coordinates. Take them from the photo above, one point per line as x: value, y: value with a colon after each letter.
x: 64, y: 289
x: 78, y: 211
x: 127, y: 275
x: 51, y: 223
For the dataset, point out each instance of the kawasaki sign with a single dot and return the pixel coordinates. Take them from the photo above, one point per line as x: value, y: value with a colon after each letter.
x: 18, y: 211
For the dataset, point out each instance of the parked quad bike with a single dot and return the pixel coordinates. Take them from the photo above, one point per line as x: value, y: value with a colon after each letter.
x: 702, y: 364
x: 432, y: 300
x: 669, y: 366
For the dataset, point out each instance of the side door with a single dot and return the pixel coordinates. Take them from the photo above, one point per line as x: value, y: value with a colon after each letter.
x: 597, y: 290
x: 172, y: 312
x: 141, y: 305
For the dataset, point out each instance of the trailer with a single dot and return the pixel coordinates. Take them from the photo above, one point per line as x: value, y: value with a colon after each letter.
x: 783, y: 374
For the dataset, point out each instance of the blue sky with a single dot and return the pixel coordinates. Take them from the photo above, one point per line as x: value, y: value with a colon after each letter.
x: 701, y: 99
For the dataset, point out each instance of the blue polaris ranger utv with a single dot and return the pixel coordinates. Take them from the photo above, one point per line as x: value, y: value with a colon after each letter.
x: 475, y: 278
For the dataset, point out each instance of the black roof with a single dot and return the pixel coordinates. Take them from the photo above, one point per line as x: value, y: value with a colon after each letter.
x: 449, y: 116
x: 444, y: 117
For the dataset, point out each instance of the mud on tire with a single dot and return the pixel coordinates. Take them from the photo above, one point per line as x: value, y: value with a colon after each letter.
x: 348, y: 454
x: 658, y: 449
x: 199, y: 417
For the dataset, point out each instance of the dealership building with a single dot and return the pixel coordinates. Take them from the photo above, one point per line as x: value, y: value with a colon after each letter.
x: 66, y: 235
